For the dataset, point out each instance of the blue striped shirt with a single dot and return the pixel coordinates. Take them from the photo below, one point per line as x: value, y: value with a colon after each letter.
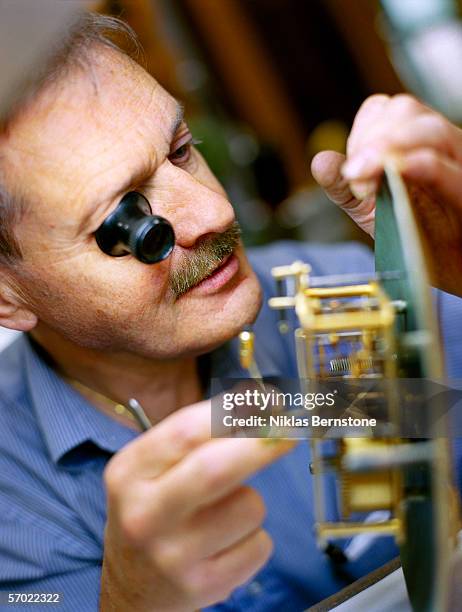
x: 54, y: 446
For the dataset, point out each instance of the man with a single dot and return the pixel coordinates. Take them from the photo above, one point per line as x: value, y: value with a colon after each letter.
x: 179, y: 529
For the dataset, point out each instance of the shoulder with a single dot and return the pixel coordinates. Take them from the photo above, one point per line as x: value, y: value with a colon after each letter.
x: 324, y: 258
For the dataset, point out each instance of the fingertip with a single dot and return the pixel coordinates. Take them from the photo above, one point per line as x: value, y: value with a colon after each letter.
x: 325, y: 167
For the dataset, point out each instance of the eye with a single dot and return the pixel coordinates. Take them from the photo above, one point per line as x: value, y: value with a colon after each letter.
x: 181, y: 154
x: 182, y: 150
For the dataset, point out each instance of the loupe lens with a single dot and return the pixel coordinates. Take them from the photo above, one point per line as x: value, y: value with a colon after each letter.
x: 131, y: 228
x: 155, y: 241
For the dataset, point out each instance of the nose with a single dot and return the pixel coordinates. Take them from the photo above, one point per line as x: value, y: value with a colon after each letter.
x: 194, y: 206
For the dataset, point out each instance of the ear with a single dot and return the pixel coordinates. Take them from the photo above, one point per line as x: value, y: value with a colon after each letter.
x: 13, y: 313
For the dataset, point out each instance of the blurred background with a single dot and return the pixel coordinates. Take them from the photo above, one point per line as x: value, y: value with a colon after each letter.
x: 269, y: 83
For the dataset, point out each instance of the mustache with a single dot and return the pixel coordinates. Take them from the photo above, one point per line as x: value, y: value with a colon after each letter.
x: 205, y: 259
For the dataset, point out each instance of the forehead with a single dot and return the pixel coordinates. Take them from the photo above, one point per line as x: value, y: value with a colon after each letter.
x: 97, y: 124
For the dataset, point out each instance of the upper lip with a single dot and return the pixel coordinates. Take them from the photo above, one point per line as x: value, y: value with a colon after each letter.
x: 219, y: 264
x: 214, y: 269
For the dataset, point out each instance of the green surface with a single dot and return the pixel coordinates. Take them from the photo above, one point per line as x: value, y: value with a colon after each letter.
x: 397, y: 249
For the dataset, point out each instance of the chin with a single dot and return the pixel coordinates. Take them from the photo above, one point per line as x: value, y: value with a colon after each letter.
x: 222, y: 317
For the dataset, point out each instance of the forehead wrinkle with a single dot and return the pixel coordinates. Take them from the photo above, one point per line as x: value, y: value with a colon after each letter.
x: 140, y: 174
x: 147, y: 167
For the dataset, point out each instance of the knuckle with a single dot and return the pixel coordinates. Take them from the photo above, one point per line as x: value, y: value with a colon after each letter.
x: 185, y: 437
x: 429, y: 159
x: 213, y: 474
x: 405, y: 102
x: 438, y: 124
x: 371, y: 107
x: 133, y: 525
x: 375, y: 100
x: 430, y: 162
x: 115, y: 476
x: 170, y: 556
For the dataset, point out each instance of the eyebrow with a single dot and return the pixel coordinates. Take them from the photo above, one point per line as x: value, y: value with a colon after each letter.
x: 179, y: 117
x: 140, y: 174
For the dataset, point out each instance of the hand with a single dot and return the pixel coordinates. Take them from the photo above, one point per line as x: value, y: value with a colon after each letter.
x: 428, y: 151
x: 182, y: 531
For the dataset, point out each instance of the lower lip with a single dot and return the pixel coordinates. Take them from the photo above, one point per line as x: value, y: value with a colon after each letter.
x: 219, y: 278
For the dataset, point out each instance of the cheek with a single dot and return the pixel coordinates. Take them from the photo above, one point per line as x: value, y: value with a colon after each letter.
x: 100, y: 292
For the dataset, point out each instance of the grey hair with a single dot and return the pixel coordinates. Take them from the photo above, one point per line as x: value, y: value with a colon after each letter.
x: 73, y: 50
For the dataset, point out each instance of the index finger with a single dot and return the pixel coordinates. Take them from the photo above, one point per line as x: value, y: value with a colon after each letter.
x: 164, y: 445
x: 213, y: 471
x: 369, y: 111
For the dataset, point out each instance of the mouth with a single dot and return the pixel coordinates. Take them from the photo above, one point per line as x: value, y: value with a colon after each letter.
x: 219, y: 277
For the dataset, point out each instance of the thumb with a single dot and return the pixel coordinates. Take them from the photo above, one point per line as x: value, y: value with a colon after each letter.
x: 326, y: 169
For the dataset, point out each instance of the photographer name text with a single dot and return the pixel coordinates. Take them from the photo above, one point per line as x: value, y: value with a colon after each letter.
x: 284, y: 420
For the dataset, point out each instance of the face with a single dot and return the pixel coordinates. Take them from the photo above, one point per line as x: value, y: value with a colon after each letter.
x: 74, y: 153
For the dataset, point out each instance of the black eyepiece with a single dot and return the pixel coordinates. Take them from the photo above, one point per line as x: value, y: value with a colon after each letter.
x: 132, y: 228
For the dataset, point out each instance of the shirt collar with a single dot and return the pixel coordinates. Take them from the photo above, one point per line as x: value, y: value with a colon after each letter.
x: 66, y: 419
